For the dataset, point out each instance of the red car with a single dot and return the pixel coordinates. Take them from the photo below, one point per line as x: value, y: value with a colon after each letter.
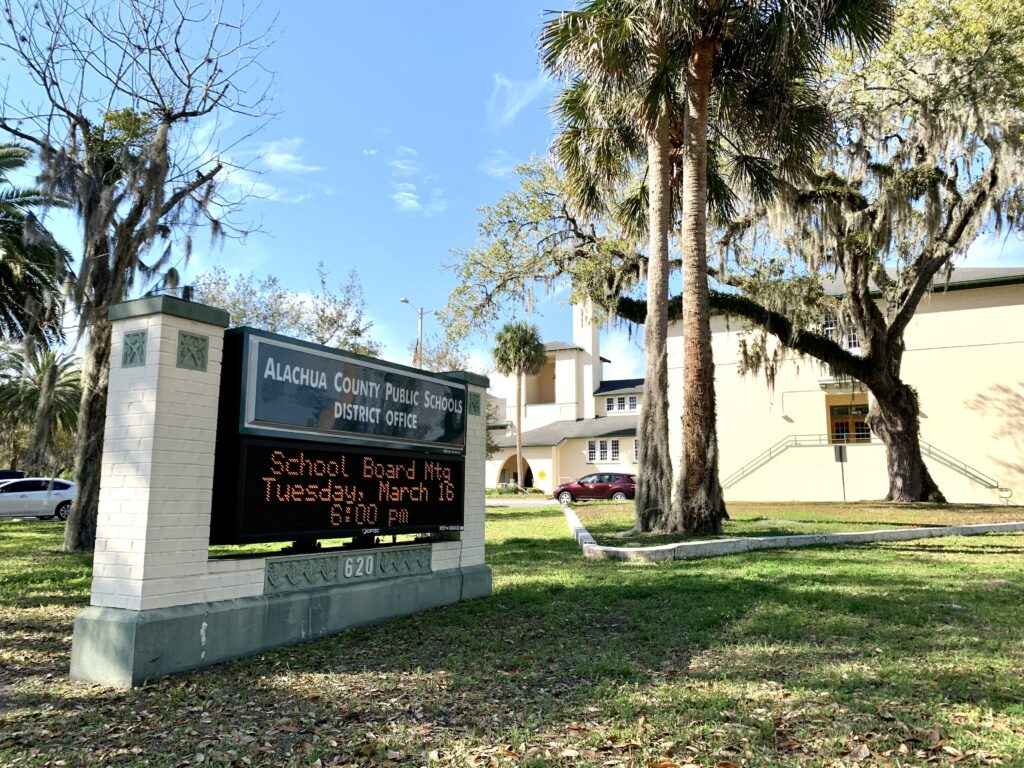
x: 601, y: 485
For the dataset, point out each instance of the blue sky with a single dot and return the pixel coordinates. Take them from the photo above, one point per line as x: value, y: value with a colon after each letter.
x: 395, y: 123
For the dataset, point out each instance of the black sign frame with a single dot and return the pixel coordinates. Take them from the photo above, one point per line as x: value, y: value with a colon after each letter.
x: 236, y: 434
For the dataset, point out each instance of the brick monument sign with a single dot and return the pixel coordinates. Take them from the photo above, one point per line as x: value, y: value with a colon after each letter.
x: 242, y: 436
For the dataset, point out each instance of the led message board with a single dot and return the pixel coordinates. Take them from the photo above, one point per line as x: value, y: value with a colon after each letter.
x: 317, y: 443
x: 289, y: 491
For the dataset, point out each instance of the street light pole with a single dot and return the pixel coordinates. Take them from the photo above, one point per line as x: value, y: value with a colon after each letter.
x: 418, y: 360
x: 419, y: 342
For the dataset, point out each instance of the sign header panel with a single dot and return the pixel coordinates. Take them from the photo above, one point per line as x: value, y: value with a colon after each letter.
x: 316, y: 392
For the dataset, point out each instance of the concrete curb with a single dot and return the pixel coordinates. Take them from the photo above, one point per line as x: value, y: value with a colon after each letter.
x: 720, y: 547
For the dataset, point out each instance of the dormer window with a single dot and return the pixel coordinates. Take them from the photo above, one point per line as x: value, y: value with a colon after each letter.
x: 621, y: 403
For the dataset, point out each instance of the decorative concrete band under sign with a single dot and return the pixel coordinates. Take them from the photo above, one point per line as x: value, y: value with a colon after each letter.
x: 285, y: 574
x: 689, y: 550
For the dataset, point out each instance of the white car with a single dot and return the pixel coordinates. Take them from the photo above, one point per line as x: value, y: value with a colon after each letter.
x: 42, y: 497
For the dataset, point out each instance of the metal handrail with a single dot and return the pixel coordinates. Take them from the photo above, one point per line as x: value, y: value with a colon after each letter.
x: 817, y: 440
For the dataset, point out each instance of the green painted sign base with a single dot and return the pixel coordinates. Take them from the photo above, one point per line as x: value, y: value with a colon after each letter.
x: 123, y: 648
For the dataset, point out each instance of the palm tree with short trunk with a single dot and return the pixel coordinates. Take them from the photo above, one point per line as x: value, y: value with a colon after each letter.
x: 40, y: 390
x: 519, y: 352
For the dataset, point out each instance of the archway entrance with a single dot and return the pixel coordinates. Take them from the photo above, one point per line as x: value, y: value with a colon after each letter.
x: 508, y: 472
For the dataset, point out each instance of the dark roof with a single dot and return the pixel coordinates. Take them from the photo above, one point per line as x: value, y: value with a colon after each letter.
x: 556, y: 432
x: 608, y: 386
x: 962, y: 278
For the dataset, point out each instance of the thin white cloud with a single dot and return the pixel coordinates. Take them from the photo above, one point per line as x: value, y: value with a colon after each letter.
x: 509, y: 97
x: 370, y: 152
x: 498, y: 163
x: 408, y: 199
x: 282, y: 155
x: 413, y: 189
x: 405, y: 197
x: 256, y: 169
x: 404, y: 161
x: 250, y: 184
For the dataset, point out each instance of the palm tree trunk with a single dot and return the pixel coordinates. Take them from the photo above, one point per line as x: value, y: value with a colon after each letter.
x: 519, y: 430
x: 653, y: 502
x: 698, y: 492
x: 39, y: 452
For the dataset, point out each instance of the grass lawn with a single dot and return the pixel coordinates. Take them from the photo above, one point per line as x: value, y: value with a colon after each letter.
x: 893, y: 654
x: 608, y: 523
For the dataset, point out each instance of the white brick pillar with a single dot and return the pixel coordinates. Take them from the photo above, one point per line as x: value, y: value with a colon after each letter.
x: 476, y: 455
x: 466, y: 548
x: 153, y: 529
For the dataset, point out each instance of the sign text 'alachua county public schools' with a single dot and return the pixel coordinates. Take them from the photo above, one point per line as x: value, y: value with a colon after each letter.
x: 311, y: 390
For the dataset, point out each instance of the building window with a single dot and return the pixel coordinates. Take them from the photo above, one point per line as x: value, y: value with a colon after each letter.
x: 829, y: 327
x: 622, y: 403
x: 848, y: 422
x: 615, y: 450
x: 831, y: 330
x: 604, y: 450
x: 591, y: 451
x: 632, y: 402
x: 609, y: 404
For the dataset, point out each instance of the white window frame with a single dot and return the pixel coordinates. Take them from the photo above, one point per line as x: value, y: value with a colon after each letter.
x: 609, y: 404
x: 591, y: 451
x: 621, y: 403
x: 633, y: 402
x: 831, y: 330
x: 829, y: 327
x: 615, y: 450
x: 602, y: 450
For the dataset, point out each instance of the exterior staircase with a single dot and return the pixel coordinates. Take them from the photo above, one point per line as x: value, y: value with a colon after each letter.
x: 816, y: 441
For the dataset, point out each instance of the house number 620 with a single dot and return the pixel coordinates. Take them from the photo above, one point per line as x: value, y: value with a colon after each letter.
x: 359, y: 566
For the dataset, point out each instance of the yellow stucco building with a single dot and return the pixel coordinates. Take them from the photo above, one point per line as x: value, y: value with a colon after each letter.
x: 804, y: 438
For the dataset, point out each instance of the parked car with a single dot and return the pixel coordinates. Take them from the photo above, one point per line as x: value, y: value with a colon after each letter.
x: 42, y: 497
x: 601, y: 485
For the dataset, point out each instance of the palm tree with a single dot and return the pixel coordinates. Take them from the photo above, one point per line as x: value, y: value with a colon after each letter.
x: 742, y: 74
x: 519, y: 352
x: 618, y: 54
x: 40, y: 390
x: 725, y: 35
x: 32, y: 264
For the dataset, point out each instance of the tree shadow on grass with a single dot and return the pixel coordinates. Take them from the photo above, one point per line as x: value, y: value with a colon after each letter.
x: 565, y: 640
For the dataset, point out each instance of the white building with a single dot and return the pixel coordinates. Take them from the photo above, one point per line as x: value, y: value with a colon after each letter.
x: 965, y: 357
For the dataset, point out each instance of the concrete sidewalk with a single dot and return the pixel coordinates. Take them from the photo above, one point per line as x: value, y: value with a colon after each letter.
x: 688, y: 550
